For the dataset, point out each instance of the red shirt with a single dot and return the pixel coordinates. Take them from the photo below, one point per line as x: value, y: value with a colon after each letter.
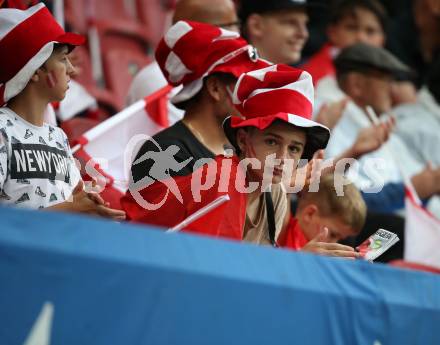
x: 293, y: 237
x: 226, y: 220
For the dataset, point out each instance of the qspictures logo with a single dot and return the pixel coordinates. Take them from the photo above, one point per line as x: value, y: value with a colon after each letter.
x: 163, y: 165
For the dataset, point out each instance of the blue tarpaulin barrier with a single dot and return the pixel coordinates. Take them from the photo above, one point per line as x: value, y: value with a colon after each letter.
x: 75, y: 280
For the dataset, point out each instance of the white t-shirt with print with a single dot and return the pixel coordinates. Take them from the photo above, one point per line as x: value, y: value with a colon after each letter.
x: 36, y: 165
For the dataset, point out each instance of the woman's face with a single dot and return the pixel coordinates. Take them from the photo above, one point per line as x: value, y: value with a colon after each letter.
x: 272, y: 147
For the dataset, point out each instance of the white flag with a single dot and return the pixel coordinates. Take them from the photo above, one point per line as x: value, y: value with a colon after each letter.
x: 422, y: 234
x: 105, y: 146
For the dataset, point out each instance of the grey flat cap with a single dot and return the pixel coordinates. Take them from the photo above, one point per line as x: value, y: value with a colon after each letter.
x: 363, y: 57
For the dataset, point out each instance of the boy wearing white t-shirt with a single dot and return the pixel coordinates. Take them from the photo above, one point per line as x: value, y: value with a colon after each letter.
x: 37, y: 169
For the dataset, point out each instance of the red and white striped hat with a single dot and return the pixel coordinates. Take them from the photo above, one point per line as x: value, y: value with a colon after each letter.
x: 190, y: 51
x: 277, y: 92
x: 26, y: 42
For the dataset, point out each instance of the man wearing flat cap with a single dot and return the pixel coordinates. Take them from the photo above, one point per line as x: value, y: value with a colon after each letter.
x: 365, y: 73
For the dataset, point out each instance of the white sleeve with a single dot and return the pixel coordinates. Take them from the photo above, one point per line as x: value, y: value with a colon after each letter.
x: 3, y: 159
x: 75, y: 174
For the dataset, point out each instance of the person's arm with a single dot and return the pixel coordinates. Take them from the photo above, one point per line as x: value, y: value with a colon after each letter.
x: 403, y: 92
x: 389, y: 200
x: 392, y: 196
x: 369, y: 139
x: 87, y: 203
x: 330, y: 113
x: 81, y: 201
x: 422, y: 142
x: 426, y: 182
x: 320, y: 246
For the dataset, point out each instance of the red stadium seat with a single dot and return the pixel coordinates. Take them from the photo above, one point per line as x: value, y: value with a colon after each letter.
x: 83, y: 66
x: 79, y: 12
x: 75, y: 15
x: 123, y: 35
x: 115, y: 25
x: 105, y: 98
x: 120, y: 67
x: 154, y: 15
x: 110, y: 10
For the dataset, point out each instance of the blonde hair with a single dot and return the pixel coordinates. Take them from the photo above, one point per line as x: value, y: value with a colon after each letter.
x: 349, y: 207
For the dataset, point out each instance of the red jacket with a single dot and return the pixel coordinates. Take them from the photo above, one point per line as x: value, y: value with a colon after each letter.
x: 227, y: 220
x: 293, y: 237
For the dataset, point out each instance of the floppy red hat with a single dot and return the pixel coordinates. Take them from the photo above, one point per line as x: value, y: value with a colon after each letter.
x: 277, y: 92
x: 190, y: 51
x: 27, y: 39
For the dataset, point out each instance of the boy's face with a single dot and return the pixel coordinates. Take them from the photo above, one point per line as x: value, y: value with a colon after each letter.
x: 56, y: 74
x: 312, y: 222
x: 280, y: 37
x: 281, y: 140
x: 362, y: 27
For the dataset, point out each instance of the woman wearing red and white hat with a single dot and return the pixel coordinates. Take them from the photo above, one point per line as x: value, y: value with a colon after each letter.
x: 276, y: 105
x: 36, y: 164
